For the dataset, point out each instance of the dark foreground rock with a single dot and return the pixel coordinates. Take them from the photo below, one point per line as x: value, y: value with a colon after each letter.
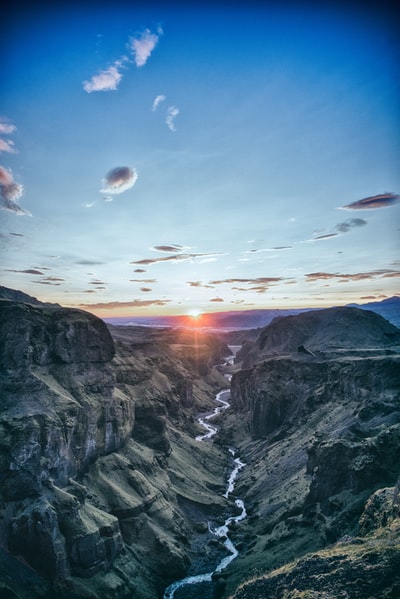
x: 97, y: 454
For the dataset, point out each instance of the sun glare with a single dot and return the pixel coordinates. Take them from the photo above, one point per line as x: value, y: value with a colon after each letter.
x: 194, y: 313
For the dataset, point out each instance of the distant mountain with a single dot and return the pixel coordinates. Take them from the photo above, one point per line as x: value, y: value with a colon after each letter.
x: 388, y: 308
x: 253, y: 319
x: 332, y: 329
x: 21, y: 297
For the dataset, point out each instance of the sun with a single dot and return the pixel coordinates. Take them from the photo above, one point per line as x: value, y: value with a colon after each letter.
x: 194, y: 313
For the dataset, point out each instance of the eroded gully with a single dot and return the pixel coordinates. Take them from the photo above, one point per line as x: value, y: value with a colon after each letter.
x: 221, y: 532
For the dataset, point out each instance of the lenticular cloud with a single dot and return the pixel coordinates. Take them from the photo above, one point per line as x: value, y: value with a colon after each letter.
x: 119, y: 179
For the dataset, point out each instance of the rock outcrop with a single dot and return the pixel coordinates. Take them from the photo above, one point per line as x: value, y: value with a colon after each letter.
x: 90, y: 498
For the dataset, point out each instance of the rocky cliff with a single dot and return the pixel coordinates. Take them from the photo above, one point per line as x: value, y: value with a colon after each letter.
x: 104, y: 491
x: 321, y: 433
x: 93, y: 466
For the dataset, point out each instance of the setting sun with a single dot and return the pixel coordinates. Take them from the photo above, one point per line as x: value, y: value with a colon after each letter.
x: 194, y: 313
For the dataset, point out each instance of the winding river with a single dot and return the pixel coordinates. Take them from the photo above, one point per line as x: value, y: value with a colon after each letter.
x: 220, y: 532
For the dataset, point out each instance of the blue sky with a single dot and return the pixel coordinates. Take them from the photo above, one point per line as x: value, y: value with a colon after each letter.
x: 163, y: 158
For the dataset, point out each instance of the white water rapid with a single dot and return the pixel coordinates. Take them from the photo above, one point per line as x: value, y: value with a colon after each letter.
x: 220, y: 532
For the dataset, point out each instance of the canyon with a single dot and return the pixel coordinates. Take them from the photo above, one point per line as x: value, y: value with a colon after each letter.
x: 105, y: 491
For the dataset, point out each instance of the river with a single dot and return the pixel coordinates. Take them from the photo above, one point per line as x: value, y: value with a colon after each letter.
x: 220, y: 532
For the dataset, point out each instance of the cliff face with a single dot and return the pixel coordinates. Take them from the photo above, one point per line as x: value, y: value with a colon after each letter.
x: 86, y: 431
x: 321, y: 434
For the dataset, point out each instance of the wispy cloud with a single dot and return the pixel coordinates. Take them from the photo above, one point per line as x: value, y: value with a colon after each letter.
x: 258, y: 284
x: 371, y: 203
x: 105, y: 81
x: 168, y: 248
x: 278, y: 248
x: 343, y: 227
x: 175, y: 258
x: 119, y: 179
x: 199, y: 284
x: 256, y: 281
x: 143, y: 281
x: 216, y: 299
x: 324, y: 236
x: 350, y: 223
x: 109, y: 79
x: 359, y: 276
x: 10, y: 193
x: 26, y: 271
x: 7, y: 145
x: 172, y: 113
x: 157, y: 101
x: 143, y: 45
x: 86, y: 262
x: 132, y: 304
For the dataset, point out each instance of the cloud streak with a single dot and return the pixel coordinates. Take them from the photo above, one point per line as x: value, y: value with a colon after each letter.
x: 175, y: 258
x: 172, y: 113
x: 157, y: 101
x: 371, y: 203
x: 119, y: 179
x: 359, y: 276
x: 131, y: 304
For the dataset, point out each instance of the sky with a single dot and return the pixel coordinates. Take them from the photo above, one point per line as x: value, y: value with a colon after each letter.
x: 161, y: 158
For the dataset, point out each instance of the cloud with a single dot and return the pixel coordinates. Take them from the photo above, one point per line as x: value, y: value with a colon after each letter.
x: 168, y: 248
x: 131, y: 304
x: 371, y: 203
x: 7, y: 128
x: 172, y: 113
x: 157, y: 101
x: 274, y: 249
x: 259, y: 284
x: 199, y: 284
x: 174, y: 258
x: 359, y: 276
x: 88, y: 262
x: 89, y: 204
x: 256, y: 281
x: 216, y: 299
x: 106, y: 80
x: 145, y: 289
x: 350, y: 223
x: 143, y: 281
x: 324, y: 236
x: 10, y: 193
x: 27, y: 271
x: 140, y: 270
x: 119, y: 179
x: 7, y: 145
x: 143, y: 45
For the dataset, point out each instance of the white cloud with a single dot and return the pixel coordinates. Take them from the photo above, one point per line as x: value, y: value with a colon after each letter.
x: 143, y: 46
x: 119, y: 179
x: 7, y: 146
x: 7, y: 128
x: 105, y: 81
x: 172, y: 113
x: 158, y: 101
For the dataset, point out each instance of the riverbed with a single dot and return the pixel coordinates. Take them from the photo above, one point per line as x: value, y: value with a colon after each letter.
x: 200, y: 586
